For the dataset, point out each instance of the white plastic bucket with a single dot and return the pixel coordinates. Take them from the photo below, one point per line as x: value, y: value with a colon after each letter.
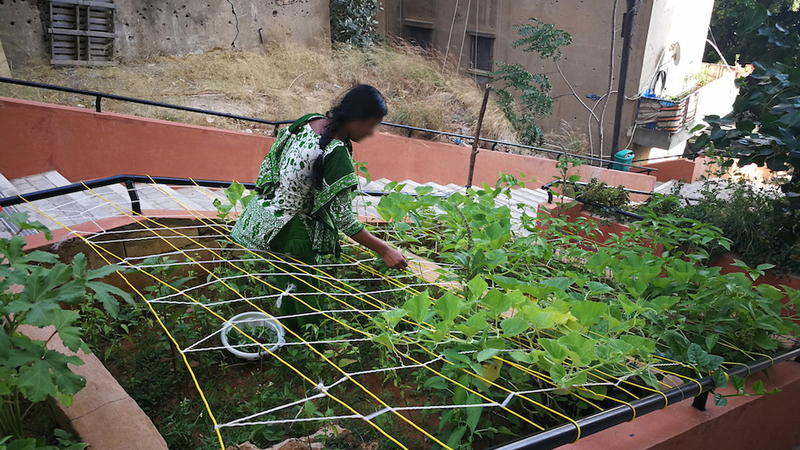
x: 252, y: 318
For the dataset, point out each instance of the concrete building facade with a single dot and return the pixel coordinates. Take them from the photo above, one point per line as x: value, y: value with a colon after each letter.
x: 473, y: 33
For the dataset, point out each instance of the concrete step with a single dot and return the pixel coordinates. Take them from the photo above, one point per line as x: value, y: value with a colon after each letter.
x: 92, y: 204
x: 374, y: 185
x: 665, y: 188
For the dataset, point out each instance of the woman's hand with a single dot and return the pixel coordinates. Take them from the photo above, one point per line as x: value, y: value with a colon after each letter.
x: 394, y: 259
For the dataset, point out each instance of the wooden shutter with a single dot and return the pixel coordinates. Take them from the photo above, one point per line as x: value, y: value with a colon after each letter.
x: 81, y: 32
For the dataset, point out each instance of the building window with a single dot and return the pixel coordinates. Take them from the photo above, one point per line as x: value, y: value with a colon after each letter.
x: 418, y: 32
x: 481, y: 49
x: 419, y: 36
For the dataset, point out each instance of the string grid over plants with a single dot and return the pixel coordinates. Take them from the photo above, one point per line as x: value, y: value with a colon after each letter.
x: 527, y: 323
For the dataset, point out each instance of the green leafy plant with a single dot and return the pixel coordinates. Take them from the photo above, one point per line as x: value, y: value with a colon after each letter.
x: 63, y: 441
x: 29, y: 371
x: 237, y: 195
x: 554, y: 302
x: 762, y: 226
x: 263, y: 334
x: 603, y: 194
x: 524, y: 96
x: 353, y: 21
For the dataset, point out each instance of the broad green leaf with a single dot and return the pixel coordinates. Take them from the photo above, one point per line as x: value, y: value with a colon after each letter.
x: 558, y: 373
x: 553, y: 349
x: 35, y: 382
x: 650, y: 379
x: 473, y: 413
x: 477, y: 286
x: 393, y: 317
x: 541, y: 319
x: 720, y: 401
x: 695, y: 354
x: 478, y: 320
x: 580, y: 348
x: 526, y: 357
x: 720, y: 379
x: 514, y: 326
x: 385, y: 339
x: 496, y: 302
x: 559, y: 283
x: 711, y: 341
x: 442, y: 329
x: 738, y: 383
x: 345, y: 362
x: 599, y: 288
x: 467, y: 330
x: 770, y: 292
x: 417, y: 307
x: 454, y: 440
x: 234, y: 192
x: 487, y: 353
x: 589, y: 312
x: 447, y: 307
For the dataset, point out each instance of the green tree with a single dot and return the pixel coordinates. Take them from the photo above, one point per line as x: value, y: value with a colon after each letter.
x: 764, y: 127
x: 532, y: 90
x: 734, y: 24
x: 353, y: 21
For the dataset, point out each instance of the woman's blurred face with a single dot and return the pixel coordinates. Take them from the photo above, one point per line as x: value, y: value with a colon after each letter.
x: 360, y: 129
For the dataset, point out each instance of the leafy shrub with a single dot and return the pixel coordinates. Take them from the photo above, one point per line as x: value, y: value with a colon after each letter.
x: 353, y: 21
x: 603, y: 194
x: 762, y: 227
x: 29, y: 371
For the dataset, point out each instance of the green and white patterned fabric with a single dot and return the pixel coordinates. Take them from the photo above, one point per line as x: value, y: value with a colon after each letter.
x: 285, y: 191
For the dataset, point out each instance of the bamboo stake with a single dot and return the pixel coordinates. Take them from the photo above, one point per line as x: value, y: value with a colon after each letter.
x: 477, y: 135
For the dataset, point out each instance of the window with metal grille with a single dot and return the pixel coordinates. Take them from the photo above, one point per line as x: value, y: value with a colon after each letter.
x: 419, y: 36
x: 81, y: 32
x: 481, y: 49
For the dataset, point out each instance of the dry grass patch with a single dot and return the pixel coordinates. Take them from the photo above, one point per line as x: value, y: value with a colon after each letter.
x: 281, y: 83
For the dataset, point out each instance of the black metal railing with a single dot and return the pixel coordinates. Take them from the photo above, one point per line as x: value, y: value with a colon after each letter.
x: 99, y: 96
x: 129, y: 182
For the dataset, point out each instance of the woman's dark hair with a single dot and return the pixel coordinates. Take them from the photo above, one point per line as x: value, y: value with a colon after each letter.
x: 360, y: 102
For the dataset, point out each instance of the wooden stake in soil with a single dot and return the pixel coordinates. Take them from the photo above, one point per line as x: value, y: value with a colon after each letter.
x: 477, y: 136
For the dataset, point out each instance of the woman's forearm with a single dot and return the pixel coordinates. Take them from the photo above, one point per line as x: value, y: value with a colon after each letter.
x: 366, y: 239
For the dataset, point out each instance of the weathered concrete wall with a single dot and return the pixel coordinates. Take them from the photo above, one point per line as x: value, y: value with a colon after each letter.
x: 586, y: 62
x: 176, y: 27
x: 23, y: 32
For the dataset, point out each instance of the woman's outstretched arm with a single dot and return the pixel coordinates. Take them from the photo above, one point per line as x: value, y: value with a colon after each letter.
x: 342, y: 211
x: 391, y: 257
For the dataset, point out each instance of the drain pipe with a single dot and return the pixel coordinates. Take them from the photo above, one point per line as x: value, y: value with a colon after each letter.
x: 627, y: 34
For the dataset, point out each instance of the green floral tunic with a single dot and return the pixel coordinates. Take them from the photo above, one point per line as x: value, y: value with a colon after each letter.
x: 287, y: 198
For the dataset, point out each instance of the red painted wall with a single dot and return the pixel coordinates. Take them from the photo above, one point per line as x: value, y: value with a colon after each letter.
x: 82, y: 144
x: 680, y: 169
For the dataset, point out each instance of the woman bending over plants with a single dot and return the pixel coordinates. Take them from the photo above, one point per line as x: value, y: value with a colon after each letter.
x: 303, y: 194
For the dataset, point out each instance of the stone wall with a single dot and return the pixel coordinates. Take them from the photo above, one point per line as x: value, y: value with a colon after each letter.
x: 175, y: 27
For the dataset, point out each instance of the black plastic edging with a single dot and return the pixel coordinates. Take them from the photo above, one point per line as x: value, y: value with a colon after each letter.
x: 566, y: 434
